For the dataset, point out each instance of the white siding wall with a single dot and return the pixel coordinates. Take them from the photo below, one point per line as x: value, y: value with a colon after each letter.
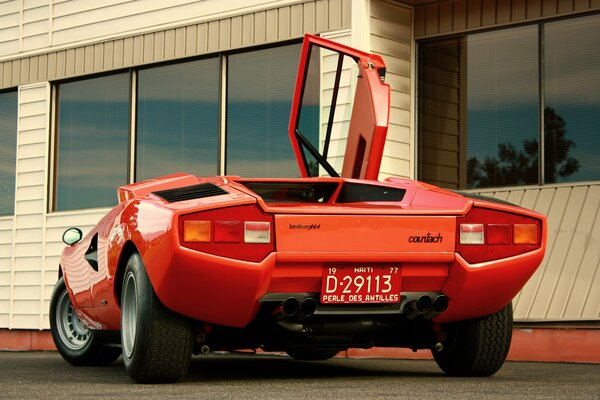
x: 52, y: 24
x: 391, y: 37
x: 27, y: 257
x: 6, y: 245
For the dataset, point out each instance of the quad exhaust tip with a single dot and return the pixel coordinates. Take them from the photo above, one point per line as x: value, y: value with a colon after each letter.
x: 292, y: 307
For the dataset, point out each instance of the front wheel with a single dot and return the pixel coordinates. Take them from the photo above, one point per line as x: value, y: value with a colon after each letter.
x: 157, y: 343
x: 74, y: 341
x: 477, y: 347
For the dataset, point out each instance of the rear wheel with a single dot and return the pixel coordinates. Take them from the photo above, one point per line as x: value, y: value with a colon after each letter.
x: 312, y: 355
x: 74, y: 341
x: 477, y: 347
x: 157, y: 343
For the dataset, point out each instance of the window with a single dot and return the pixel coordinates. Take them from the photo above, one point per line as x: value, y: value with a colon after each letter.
x: 178, y: 124
x: 92, y: 141
x: 8, y: 151
x: 486, y: 98
x: 260, y: 87
x: 572, y: 100
x: 178, y: 119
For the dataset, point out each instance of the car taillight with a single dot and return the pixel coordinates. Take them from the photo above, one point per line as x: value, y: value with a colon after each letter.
x: 242, y: 233
x: 485, y: 235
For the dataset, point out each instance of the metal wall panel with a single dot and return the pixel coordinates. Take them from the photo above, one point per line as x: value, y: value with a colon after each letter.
x: 462, y: 15
x: 254, y: 28
x: 566, y: 287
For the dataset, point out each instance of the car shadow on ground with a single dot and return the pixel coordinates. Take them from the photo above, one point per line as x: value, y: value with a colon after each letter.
x: 260, y: 367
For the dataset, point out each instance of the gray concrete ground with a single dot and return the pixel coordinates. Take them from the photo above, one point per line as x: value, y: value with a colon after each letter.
x: 44, y: 375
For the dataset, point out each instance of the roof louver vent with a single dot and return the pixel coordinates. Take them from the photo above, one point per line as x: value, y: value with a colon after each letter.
x: 190, y: 192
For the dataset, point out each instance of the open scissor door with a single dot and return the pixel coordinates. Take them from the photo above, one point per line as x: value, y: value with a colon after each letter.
x: 340, y: 111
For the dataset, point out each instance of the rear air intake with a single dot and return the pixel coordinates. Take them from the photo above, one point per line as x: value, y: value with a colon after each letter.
x: 190, y: 192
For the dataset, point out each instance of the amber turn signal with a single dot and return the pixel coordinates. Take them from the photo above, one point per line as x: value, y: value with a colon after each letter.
x: 525, y: 233
x: 196, y: 231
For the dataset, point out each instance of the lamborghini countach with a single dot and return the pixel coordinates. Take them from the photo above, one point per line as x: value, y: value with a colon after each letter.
x: 311, y: 265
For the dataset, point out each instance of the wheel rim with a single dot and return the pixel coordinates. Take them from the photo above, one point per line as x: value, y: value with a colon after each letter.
x: 73, y: 333
x: 129, y: 314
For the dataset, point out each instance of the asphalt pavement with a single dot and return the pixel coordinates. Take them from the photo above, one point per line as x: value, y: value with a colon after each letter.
x: 44, y: 375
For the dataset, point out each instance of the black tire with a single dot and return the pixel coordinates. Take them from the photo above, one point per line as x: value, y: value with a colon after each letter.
x: 477, y: 347
x: 312, y: 355
x: 74, y: 341
x: 157, y: 343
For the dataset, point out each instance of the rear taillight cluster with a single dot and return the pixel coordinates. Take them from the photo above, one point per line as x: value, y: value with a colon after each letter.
x: 242, y: 233
x: 485, y: 235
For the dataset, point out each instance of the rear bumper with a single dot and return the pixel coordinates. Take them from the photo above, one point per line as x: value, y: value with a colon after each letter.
x: 228, y: 292
x: 483, y: 289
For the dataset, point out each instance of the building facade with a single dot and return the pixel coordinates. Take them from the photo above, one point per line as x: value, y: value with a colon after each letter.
x: 498, y: 97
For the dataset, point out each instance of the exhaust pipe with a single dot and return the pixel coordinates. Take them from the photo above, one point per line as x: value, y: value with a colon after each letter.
x: 440, y: 304
x: 289, y: 307
x: 308, y: 306
x: 418, y: 307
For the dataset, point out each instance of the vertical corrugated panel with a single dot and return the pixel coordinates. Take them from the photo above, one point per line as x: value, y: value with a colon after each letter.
x: 460, y: 15
x: 76, y: 21
x: 28, y: 262
x: 566, y: 286
x: 391, y: 36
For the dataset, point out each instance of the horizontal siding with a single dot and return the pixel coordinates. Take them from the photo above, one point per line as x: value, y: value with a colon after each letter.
x: 10, y: 25
x: 391, y: 37
x: 567, y: 284
x: 28, y: 263
x: 6, y: 266
x: 463, y: 15
x: 227, y: 33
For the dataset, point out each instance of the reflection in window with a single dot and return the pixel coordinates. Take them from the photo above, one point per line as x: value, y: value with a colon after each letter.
x: 260, y: 86
x: 479, y: 110
x: 325, y: 111
x: 8, y: 151
x: 92, y: 141
x: 178, y: 119
x: 572, y: 100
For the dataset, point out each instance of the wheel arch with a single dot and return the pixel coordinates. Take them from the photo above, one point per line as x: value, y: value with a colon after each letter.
x: 128, y: 249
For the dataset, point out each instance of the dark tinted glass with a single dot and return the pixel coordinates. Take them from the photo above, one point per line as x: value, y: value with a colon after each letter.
x: 479, y: 107
x: 572, y: 100
x: 93, y: 131
x: 8, y: 151
x: 178, y: 119
x: 259, y: 97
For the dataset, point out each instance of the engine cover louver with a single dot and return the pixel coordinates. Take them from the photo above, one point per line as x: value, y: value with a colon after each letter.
x: 190, y: 192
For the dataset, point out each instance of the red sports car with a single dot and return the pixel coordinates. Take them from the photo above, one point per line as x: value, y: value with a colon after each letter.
x: 309, y: 266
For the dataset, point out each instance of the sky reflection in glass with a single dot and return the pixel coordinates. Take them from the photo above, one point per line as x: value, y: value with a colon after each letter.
x: 93, y: 140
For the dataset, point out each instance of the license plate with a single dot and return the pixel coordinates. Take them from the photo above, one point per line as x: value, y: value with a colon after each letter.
x: 360, y: 285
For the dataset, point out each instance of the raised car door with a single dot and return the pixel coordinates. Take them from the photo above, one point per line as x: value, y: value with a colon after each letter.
x: 340, y: 111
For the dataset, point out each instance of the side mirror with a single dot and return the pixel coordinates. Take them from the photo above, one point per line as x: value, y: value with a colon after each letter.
x: 72, y: 236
